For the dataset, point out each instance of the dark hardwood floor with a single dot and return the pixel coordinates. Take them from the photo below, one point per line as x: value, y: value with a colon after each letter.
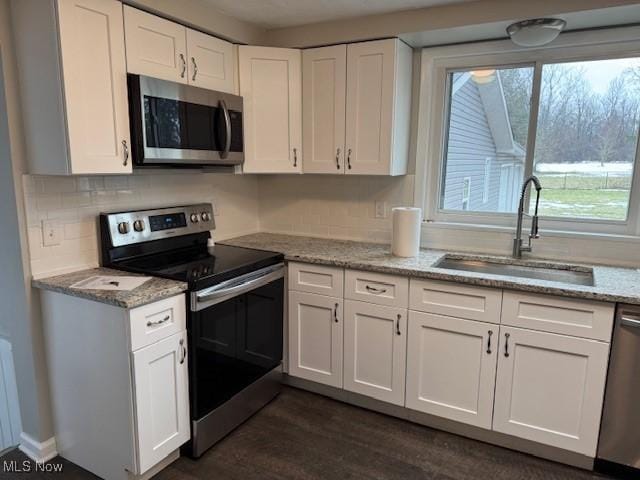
x: 301, y: 435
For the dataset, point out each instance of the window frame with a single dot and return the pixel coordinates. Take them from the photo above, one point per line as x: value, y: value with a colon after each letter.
x: 437, y: 63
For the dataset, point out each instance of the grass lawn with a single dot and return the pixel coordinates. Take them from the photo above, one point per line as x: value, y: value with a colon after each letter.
x: 605, y: 204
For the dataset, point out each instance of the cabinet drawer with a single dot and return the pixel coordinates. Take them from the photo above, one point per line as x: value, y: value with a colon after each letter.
x: 306, y: 277
x: 454, y: 300
x: 579, y: 318
x: 377, y: 288
x: 158, y: 320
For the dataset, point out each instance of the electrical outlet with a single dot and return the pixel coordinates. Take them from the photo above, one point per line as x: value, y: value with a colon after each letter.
x: 381, y: 209
x: 51, y: 233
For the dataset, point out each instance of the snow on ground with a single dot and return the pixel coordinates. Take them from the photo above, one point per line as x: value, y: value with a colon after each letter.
x: 590, y: 168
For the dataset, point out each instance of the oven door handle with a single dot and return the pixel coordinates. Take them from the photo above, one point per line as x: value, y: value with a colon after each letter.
x: 227, y: 125
x: 227, y: 290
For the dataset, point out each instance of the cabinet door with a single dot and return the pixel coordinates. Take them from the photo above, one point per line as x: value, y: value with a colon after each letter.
x: 375, y: 347
x: 161, y: 399
x: 370, y: 99
x: 549, y: 388
x: 324, y: 75
x: 95, y: 85
x: 451, y: 365
x: 211, y: 62
x: 315, y: 338
x: 270, y: 82
x: 155, y: 47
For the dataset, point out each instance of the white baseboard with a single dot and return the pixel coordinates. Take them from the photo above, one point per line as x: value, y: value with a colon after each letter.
x: 38, y: 451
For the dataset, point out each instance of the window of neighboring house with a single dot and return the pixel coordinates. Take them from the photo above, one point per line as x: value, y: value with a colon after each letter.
x: 487, y: 180
x: 574, y: 123
x: 466, y: 192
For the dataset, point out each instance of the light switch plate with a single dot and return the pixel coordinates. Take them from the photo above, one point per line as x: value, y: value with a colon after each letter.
x: 51, y: 233
x: 381, y: 209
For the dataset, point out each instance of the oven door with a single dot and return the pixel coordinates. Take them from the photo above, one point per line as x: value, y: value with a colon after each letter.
x: 235, y: 337
x: 181, y: 125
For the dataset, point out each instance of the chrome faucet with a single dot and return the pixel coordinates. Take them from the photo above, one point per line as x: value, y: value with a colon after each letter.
x: 518, y: 248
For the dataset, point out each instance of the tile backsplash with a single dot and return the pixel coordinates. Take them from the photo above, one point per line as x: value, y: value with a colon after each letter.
x: 73, y: 204
x: 333, y: 206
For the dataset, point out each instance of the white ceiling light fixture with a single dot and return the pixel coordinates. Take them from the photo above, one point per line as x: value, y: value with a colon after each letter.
x: 535, y: 32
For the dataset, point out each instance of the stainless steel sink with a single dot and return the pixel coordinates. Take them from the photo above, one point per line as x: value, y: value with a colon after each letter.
x: 561, y: 273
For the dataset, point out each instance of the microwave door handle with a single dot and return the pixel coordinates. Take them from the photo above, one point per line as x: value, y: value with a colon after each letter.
x: 227, y: 126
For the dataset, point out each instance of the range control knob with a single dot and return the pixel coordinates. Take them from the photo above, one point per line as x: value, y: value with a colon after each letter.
x: 123, y: 228
x: 138, y: 225
x: 194, y: 218
x: 205, y: 216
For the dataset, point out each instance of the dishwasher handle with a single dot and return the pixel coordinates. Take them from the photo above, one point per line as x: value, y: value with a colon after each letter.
x: 630, y: 319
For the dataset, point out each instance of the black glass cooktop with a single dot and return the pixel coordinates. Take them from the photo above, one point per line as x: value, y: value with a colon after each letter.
x: 202, y: 266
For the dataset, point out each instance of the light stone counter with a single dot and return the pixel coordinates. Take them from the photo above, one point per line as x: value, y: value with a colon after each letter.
x: 611, y: 284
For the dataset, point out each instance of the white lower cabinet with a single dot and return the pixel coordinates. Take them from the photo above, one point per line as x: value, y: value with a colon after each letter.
x: 162, y: 399
x: 315, y: 337
x: 451, y: 366
x: 375, y: 345
x: 550, y: 388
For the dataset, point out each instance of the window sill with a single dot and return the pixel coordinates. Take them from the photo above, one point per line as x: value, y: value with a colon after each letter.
x: 596, y: 236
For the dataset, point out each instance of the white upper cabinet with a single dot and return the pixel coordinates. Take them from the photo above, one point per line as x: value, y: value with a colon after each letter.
x: 357, y: 107
x: 212, y: 62
x: 74, y: 87
x: 378, y: 107
x: 324, y: 76
x: 155, y: 47
x: 549, y: 388
x: 451, y: 366
x: 375, y: 347
x: 164, y: 49
x: 270, y: 82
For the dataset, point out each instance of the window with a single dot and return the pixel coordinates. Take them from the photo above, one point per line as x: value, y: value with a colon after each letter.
x: 569, y: 115
x: 466, y: 192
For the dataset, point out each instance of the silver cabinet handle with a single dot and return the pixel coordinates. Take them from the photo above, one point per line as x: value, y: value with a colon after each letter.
x: 227, y: 126
x: 630, y: 321
x: 183, y: 351
x: 490, y: 332
x: 195, y: 68
x: 125, y: 152
x: 506, y: 344
x: 295, y: 157
x: 159, y: 322
x: 377, y: 291
x: 338, y: 158
x: 184, y: 65
x: 398, y: 324
x: 335, y: 313
x: 349, y: 159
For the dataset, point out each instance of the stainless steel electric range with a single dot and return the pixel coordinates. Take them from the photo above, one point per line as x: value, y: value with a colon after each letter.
x: 235, y: 304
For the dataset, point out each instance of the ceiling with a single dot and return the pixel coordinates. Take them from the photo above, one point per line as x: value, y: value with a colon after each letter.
x: 288, y: 13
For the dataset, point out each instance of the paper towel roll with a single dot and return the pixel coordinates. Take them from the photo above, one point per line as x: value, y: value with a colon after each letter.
x: 406, y: 231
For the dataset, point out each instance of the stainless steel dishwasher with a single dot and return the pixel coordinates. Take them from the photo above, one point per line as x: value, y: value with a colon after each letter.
x: 619, y: 446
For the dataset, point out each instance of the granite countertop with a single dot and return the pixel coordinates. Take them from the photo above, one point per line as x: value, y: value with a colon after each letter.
x: 612, y: 284
x: 149, y: 292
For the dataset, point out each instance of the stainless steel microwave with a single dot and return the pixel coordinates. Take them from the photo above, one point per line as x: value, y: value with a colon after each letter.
x: 176, y: 125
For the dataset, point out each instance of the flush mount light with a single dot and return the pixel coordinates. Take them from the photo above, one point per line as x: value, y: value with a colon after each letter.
x: 535, y: 32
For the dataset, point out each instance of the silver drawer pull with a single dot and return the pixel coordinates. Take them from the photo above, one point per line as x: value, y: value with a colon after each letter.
x: 159, y: 322
x: 630, y: 321
x: 377, y: 291
x: 183, y: 352
x: 398, y: 324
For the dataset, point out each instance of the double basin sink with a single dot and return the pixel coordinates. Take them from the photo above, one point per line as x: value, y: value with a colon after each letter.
x: 573, y: 275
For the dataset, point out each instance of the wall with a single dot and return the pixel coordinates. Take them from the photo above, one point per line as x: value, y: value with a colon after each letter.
x: 333, y: 206
x: 21, y: 307
x: 75, y: 202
